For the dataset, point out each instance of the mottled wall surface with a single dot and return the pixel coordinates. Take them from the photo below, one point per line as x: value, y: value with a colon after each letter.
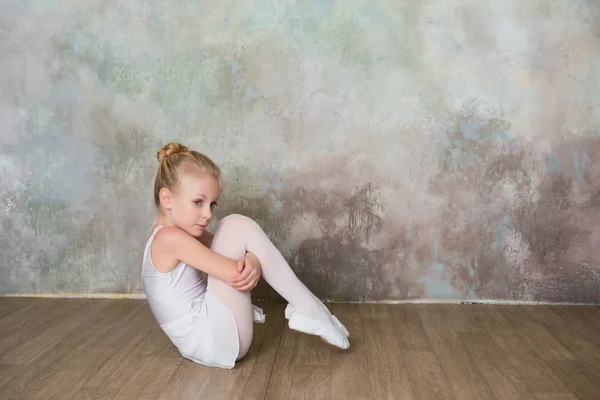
x: 441, y: 149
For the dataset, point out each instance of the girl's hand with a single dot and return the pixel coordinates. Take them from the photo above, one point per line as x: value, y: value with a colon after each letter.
x: 248, y: 273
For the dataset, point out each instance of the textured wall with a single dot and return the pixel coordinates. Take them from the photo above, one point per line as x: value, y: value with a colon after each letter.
x: 443, y: 149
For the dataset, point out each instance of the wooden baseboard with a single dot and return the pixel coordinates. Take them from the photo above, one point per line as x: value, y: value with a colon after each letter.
x: 142, y: 296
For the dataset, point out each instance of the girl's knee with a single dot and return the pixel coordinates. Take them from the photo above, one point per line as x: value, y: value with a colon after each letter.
x: 243, y: 351
x: 245, y: 342
x: 232, y: 216
x: 237, y: 220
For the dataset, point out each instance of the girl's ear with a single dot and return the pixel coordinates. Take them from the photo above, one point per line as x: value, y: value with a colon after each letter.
x: 166, y: 198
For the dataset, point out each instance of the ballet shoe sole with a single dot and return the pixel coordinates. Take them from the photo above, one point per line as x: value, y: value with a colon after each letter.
x: 337, y: 322
x: 332, y: 345
x: 310, y: 334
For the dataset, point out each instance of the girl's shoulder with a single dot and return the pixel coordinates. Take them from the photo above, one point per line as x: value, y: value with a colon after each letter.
x: 168, y: 233
x: 162, y: 248
x: 169, y: 239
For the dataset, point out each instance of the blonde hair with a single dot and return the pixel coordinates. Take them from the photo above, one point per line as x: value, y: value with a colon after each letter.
x: 172, y: 157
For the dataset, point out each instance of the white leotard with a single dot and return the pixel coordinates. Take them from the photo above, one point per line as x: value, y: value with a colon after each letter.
x: 170, y: 294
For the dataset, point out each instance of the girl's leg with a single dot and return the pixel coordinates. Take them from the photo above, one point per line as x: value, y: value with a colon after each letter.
x: 249, y: 236
x: 239, y: 305
x: 228, y: 243
x: 237, y: 234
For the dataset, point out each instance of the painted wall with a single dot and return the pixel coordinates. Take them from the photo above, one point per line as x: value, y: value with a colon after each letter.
x: 441, y: 149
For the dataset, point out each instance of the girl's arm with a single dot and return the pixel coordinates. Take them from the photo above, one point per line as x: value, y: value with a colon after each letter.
x: 178, y: 245
x: 207, y: 238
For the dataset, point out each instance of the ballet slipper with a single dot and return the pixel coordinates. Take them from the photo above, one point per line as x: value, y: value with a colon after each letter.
x: 340, y: 326
x: 289, y: 310
x: 328, y: 332
x: 258, y: 316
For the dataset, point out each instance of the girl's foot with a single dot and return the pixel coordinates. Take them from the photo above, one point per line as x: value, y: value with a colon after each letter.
x: 289, y: 310
x: 258, y: 316
x: 328, y: 332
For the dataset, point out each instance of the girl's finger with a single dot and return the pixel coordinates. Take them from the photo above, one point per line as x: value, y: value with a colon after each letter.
x: 244, y: 282
x: 246, y: 288
x: 242, y: 276
x: 240, y: 264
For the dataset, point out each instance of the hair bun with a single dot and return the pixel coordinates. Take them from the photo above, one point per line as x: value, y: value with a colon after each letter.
x: 170, y: 149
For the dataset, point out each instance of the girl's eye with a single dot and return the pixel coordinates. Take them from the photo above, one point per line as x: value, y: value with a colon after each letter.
x: 214, y: 204
x: 198, y: 202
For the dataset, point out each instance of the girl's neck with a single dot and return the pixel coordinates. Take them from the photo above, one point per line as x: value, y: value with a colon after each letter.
x: 163, y: 220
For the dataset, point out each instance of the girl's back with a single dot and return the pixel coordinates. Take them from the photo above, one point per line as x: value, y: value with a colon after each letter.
x: 170, y: 294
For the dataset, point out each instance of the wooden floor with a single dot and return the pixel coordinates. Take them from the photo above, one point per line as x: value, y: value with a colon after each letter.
x: 113, y: 349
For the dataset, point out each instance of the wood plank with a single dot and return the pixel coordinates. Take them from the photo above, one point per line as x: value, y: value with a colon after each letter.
x: 586, y: 351
x: 129, y: 347
x: 267, y: 345
x: 123, y: 324
x: 578, y: 318
x: 20, y: 328
x: 350, y: 369
x: 231, y: 384
x: 8, y: 371
x: 96, y: 393
x: 555, y: 396
x: 280, y: 383
x: 155, y: 343
x: 303, y: 365
x: 311, y: 372
x: 46, y: 378
x: 534, y: 334
x: 562, y: 331
x: 408, y: 328
x: 426, y: 377
x: 592, y: 313
x: 7, y: 303
x: 502, y: 377
x: 311, y: 382
x: 150, y: 380
x: 388, y: 375
x: 187, y: 382
x: 538, y: 376
x: 579, y: 334
x: 577, y: 378
x: 124, y: 347
x: 504, y: 334
x: 50, y: 347
x: 106, y: 349
x: 463, y: 375
x: 11, y: 305
x: 544, y: 315
x: 312, y: 350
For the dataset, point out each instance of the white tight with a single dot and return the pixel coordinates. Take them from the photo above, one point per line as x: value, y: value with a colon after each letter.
x: 237, y: 234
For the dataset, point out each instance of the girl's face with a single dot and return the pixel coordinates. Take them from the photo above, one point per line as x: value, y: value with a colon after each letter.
x: 193, y: 204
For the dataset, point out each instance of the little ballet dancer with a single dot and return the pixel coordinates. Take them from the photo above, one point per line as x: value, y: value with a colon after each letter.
x: 211, y: 323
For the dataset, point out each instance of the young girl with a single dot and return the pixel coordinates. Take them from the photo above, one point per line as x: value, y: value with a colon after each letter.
x: 212, y: 323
